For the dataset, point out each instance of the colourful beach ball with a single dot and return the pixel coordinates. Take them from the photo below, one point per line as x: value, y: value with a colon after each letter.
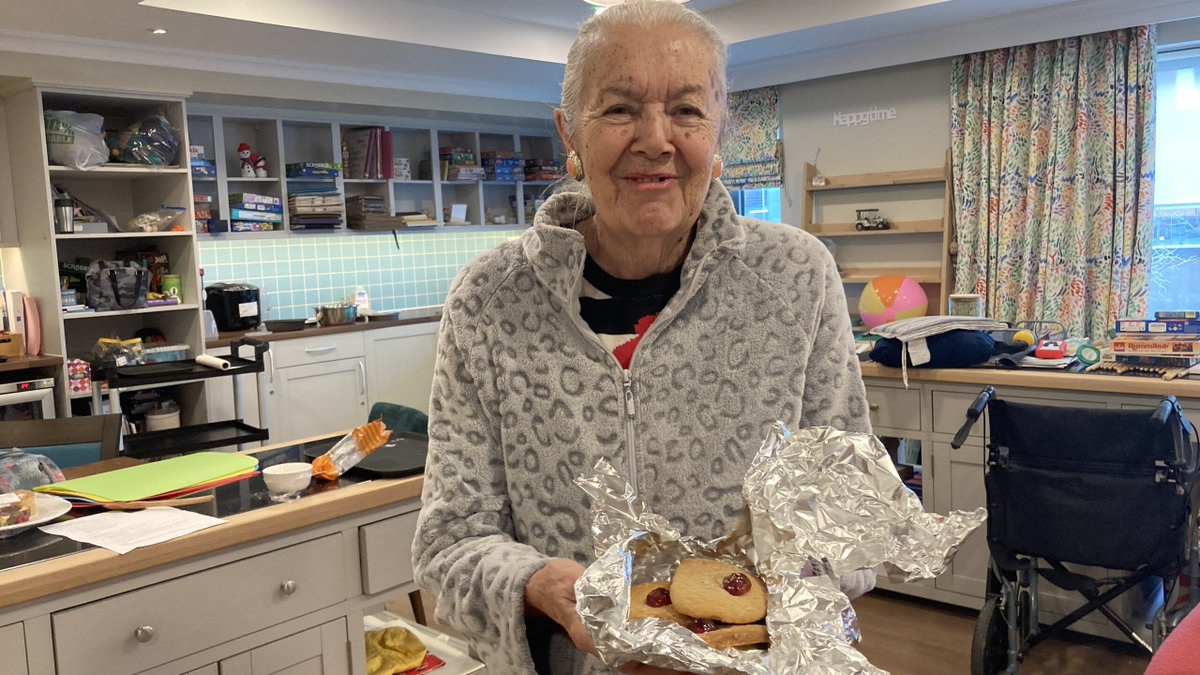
x: 889, y: 298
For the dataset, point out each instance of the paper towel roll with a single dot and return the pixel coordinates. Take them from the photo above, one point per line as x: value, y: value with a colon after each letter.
x: 213, y: 362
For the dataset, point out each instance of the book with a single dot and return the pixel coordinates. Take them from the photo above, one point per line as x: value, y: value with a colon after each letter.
x: 1157, y: 345
x: 1178, y: 314
x: 262, y: 216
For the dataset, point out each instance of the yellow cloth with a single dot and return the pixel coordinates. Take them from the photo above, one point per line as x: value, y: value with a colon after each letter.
x: 393, y: 650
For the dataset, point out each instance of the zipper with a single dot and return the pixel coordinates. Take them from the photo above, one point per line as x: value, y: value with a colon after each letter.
x: 627, y: 381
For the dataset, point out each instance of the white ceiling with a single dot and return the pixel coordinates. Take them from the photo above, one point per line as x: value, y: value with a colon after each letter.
x: 514, y: 49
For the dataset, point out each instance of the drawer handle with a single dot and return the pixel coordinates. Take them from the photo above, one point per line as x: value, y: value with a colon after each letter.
x: 289, y: 587
x: 872, y: 406
x: 319, y: 350
x: 144, y: 633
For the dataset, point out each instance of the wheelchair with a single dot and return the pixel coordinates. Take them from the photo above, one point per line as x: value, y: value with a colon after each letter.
x: 1116, y: 489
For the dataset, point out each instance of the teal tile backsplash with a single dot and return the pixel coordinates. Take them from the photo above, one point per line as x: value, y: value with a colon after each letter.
x: 296, y: 273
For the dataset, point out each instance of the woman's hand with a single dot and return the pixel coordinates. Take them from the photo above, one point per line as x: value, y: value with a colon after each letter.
x: 551, y: 591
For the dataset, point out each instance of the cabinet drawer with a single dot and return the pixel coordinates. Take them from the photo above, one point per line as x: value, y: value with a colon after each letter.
x: 387, y: 552
x: 893, y: 408
x: 317, y: 349
x: 160, y: 623
x: 950, y: 409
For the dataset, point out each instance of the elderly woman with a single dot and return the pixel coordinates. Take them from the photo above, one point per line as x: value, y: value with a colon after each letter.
x: 640, y: 319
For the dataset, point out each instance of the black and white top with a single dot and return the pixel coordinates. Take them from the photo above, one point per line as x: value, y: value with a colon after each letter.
x: 620, y: 310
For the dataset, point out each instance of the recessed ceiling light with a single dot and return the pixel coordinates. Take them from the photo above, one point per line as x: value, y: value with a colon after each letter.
x: 158, y: 31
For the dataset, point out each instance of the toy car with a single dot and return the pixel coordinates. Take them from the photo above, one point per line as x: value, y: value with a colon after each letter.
x: 869, y: 219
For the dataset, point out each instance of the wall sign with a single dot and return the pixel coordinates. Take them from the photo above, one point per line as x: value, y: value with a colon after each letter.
x: 863, y: 117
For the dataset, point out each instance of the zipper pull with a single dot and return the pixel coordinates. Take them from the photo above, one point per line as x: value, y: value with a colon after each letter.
x: 628, y: 392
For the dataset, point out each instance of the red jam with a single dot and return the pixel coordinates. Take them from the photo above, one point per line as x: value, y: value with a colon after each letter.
x: 702, y: 625
x: 736, y: 584
x: 659, y: 597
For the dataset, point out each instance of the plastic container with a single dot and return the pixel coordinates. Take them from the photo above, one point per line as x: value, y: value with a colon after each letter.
x: 161, y: 353
x: 966, y: 304
x: 164, y: 417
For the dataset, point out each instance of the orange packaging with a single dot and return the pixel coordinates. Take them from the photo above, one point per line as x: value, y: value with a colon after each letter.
x: 351, y: 450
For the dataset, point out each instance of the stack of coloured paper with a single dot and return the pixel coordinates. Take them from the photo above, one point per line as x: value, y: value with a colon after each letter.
x: 156, y: 480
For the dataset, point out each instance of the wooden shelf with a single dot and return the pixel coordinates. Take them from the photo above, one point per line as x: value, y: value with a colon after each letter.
x: 861, y: 275
x: 182, y: 307
x: 899, y: 227
x: 120, y: 235
x: 881, y: 179
x: 117, y: 170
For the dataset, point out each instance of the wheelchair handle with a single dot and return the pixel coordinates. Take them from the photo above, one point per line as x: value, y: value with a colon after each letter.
x: 1163, y: 412
x: 1169, y: 414
x: 973, y: 412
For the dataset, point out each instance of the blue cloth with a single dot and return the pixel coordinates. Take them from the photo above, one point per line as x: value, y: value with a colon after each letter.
x: 952, y: 349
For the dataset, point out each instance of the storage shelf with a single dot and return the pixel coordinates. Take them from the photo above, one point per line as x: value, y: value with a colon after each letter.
x: 120, y: 235
x: 311, y: 179
x: 240, y: 179
x: 176, y: 372
x: 898, y: 227
x: 116, y: 171
x: 880, y: 179
x: 367, y: 181
x: 412, y: 182
x: 861, y: 275
x: 126, y: 312
x: 192, y: 439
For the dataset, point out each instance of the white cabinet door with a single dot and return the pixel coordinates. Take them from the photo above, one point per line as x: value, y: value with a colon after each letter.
x: 323, y: 650
x: 318, y: 398
x: 959, y: 477
x: 12, y: 650
x: 400, y: 364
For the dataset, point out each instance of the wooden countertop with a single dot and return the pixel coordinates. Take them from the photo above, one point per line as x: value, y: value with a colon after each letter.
x: 16, y: 363
x: 225, y: 339
x: 1041, y: 379
x: 76, y: 570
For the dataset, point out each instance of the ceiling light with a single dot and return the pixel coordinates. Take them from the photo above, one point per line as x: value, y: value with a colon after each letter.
x: 158, y: 31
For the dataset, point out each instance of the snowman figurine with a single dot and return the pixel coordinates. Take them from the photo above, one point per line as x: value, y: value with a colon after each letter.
x: 260, y: 165
x: 243, y: 151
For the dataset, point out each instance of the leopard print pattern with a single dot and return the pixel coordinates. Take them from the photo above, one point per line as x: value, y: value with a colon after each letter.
x: 525, y: 399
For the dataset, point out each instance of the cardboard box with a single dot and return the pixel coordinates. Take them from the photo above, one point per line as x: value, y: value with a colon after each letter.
x: 12, y: 345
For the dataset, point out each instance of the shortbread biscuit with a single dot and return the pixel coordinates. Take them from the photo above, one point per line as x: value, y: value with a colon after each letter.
x: 640, y: 606
x: 736, y: 636
x: 708, y: 589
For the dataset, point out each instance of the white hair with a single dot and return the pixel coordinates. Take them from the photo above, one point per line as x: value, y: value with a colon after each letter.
x: 633, y: 14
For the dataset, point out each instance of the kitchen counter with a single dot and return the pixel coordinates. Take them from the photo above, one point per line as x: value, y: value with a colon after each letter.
x: 1099, y: 382
x: 406, y: 317
x: 34, y: 565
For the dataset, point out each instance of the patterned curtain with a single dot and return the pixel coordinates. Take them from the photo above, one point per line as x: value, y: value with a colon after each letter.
x: 1052, y: 147
x: 751, y: 151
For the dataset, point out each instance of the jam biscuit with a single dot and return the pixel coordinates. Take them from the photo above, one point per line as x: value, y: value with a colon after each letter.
x: 709, y: 589
x: 736, y: 636
x: 653, y: 600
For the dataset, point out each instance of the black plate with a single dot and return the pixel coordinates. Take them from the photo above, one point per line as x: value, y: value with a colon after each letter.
x: 284, y: 325
x: 402, y: 455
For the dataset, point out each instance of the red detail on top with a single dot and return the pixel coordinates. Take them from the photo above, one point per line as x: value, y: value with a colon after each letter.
x: 624, y: 351
x: 736, y: 584
x: 659, y: 597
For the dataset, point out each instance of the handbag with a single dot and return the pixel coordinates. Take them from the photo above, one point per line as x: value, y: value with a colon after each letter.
x: 117, y: 284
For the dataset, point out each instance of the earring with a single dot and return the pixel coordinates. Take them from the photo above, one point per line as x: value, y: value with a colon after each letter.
x: 574, y: 166
x: 718, y: 167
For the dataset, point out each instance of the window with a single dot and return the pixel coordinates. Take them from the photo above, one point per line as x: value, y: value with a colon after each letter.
x: 758, y: 203
x: 1175, y: 245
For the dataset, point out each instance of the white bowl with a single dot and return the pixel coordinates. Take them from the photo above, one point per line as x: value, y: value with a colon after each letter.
x: 288, y: 478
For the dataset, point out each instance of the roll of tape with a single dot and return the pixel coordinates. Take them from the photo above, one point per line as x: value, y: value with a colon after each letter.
x: 1088, y: 354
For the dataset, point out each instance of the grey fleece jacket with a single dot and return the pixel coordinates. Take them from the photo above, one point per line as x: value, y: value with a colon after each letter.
x: 525, y: 399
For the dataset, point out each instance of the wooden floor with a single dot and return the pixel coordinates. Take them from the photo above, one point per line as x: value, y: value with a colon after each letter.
x: 905, y: 636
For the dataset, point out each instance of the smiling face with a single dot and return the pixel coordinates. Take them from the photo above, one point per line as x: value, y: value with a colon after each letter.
x: 646, y: 131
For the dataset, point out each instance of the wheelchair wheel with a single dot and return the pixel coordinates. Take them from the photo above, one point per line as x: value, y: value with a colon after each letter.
x: 989, y: 644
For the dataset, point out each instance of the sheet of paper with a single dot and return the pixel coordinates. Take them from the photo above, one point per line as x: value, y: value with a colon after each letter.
x: 123, y: 531
x: 1034, y: 362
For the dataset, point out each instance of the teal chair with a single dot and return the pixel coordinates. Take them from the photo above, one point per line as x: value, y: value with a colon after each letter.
x: 398, y: 417
x: 68, y: 441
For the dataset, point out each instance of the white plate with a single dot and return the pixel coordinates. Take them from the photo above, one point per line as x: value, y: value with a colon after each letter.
x: 48, y: 507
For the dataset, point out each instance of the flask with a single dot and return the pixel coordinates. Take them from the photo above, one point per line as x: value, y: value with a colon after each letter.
x: 64, y: 214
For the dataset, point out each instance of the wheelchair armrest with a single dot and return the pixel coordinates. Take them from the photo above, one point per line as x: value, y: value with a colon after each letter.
x: 973, y: 412
x: 1183, y: 433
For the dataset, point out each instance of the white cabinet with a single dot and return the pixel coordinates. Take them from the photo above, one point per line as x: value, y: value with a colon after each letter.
x: 960, y: 488
x: 8, y: 214
x: 400, y: 364
x: 318, y: 398
x: 323, y: 650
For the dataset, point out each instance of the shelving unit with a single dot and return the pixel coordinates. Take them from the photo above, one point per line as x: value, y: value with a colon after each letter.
x: 121, y: 190
x: 287, y: 137
x: 916, y: 244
